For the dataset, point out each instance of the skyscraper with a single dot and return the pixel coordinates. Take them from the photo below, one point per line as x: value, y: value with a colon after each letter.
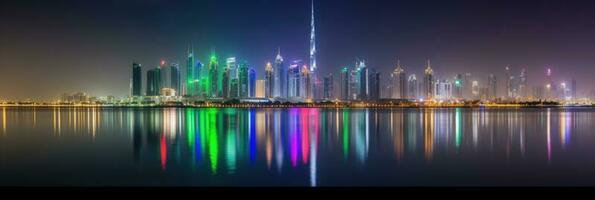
x: 214, y: 82
x: 492, y: 87
x: 232, y: 66
x: 306, y: 82
x: 399, y: 83
x: 475, y: 90
x: 412, y: 87
x: 294, y: 76
x: 328, y: 87
x: 374, y: 85
x: 199, y: 81
x: 364, y: 83
x: 345, y: 76
x: 354, y: 83
x: 243, y: 90
x: 225, y: 81
x: 191, y: 74
x: 269, y: 81
x: 136, y: 84
x: 154, y: 82
x: 443, y: 90
x: 458, y: 87
x: 280, y: 76
x: 313, y: 85
x: 260, y: 89
x: 234, y: 87
x: 232, y: 74
x: 174, y: 81
x: 429, y: 82
x: 252, y: 82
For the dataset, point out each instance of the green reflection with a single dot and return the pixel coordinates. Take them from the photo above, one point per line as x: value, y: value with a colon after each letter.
x: 345, y: 134
x: 213, y: 139
x: 458, y: 127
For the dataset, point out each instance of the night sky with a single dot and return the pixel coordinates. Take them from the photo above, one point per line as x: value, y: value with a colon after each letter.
x: 48, y: 47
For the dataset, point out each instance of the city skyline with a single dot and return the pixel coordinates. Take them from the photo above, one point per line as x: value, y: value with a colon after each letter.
x: 100, y: 83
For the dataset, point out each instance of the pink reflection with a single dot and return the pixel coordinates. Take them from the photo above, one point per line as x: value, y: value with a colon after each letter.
x: 163, y: 150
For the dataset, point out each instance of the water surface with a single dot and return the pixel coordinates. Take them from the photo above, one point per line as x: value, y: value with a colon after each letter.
x: 297, y: 147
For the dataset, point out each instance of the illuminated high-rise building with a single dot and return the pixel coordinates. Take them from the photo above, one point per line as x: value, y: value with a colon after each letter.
x: 234, y: 87
x: 328, y: 89
x: 354, y: 83
x: 154, y: 82
x: 199, y: 79
x: 243, y: 80
x: 136, y: 83
x: 399, y: 83
x: 412, y: 87
x: 174, y: 78
x: 374, y: 85
x: 191, y: 74
x: 232, y: 73
x: 428, y: 88
x: 252, y: 82
x: 345, y: 76
x: 313, y: 85
x: 364, y: 83
x: 213, y: 81
x: 492, y: 87
x: 269, y: 81
x: 225, y: 84
x: 280, y: 83
x: 458, y: 87
x: 260, y: 89
x: 306, y: 82
x: 475, y: 90
x: 443, y: 90
x: 294, y: 79
x: 231, y: 64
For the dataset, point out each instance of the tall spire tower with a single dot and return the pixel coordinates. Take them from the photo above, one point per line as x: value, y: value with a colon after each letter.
x: 312, y: 42
x: 315, y: 83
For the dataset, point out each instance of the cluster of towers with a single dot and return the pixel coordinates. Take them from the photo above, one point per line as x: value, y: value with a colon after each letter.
x: 236, y: 80
x: 161, y: 80
x: 299, y: 81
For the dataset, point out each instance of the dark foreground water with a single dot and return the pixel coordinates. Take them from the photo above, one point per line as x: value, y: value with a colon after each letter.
x: 297, y: 147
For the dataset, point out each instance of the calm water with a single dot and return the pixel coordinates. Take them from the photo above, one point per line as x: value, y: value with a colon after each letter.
x: 297, y: 147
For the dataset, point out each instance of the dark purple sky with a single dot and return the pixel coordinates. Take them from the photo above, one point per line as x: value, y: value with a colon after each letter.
x: 50, y: 47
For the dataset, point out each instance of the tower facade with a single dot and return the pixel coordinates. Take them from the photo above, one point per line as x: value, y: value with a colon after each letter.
x: 313, y: 86
x: 428, y: 82
x: 399, y: 83
x: 492, y: 87
x: 280, y: 81
x: 269, y: 81
x: 213, y: 82
x: 136, y: 84
x: 174, y: 79
x: 154, y: 82
x: 345, y: 84
x: 328, y: 87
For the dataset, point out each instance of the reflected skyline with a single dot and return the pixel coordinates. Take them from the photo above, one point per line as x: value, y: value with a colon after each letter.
x: 287, y: 142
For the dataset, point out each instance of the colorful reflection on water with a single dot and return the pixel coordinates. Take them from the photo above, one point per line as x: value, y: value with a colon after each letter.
x: 297, y: 147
